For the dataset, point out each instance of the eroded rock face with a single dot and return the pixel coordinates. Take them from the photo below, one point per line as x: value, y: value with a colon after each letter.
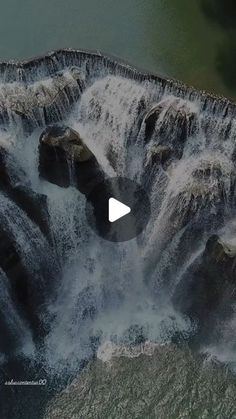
x: 32, y: 203
x: 11, y: 263
x: 24, y: 221
x: 207, y: 292
x: 165, y: 129
x: 45, y: 101
x: 27, y: 262
x: 158, y: 155
x: 64, y: 159
x: 170, y: 123
x: 206, y: 192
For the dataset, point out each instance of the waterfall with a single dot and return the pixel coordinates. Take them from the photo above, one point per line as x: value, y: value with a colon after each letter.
x: 13, y: 327
x: 176, y: 142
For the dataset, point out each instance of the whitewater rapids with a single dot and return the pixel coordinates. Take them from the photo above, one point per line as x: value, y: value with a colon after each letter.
x: 107, y: 291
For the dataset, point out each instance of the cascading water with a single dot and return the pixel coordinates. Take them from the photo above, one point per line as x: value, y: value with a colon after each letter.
x: 176, y: 143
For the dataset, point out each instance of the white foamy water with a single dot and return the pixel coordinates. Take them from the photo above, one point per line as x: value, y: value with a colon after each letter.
x: 104, y: 290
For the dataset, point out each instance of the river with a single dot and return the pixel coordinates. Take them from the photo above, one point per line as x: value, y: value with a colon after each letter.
x: 183, y: 39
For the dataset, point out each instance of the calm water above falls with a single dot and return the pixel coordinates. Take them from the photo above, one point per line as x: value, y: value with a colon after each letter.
x: 174, y: 38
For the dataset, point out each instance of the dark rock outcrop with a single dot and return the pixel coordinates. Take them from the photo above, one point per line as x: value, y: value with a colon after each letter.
x: 170, y: 123
x: 22, y: 294
x: 208, y: 194
x: 158, y: 155
x: 207, y: 291
x: 32, y: 203
x: 25, y: 284
x: 44, y: 103
x: 64, y: 159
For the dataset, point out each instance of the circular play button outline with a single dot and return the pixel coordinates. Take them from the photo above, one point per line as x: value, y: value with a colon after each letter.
x: 118, y: 209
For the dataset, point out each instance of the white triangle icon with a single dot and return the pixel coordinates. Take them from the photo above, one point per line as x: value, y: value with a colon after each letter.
x: 117, y: 210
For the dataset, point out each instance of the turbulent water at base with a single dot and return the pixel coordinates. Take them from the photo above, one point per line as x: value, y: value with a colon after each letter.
x: 104, y: 290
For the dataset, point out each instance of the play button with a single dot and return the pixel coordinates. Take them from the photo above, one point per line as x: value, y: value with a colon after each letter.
x: 118, y: 209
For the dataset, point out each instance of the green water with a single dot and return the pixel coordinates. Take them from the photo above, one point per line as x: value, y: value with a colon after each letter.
x: 174, y: 38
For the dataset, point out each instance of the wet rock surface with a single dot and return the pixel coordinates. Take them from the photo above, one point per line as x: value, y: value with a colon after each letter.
x: 18, y: 189
x: 41, y: 103
x: 23, y: 293
x: 17, y: 279
x: 160, y: 120
x: 64, y: 159
x: 208, y: 296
